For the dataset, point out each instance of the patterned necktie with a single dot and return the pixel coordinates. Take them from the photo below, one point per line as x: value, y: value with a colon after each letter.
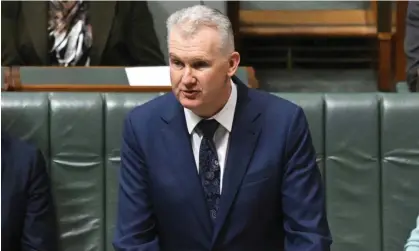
x: 209, y: 167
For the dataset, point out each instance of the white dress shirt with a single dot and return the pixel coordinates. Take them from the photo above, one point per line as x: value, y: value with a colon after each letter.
x: 222, y: 134
x: 413, y: 241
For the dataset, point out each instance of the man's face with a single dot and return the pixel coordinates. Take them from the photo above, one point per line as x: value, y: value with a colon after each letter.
x: 199, y: 71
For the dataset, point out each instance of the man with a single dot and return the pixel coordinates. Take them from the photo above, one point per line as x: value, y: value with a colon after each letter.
x: 215, y: 165
x: 412, y: 45
x: 27, y: 215
x: 413, y: 241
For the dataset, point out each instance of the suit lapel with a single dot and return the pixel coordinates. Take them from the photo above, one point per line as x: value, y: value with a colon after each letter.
x: 180, y: 157
x: 243, y: 139
x: 101, y: 15
x: 36, y: 20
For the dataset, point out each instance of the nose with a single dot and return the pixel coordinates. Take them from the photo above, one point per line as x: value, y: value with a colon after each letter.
x: 187, y: 77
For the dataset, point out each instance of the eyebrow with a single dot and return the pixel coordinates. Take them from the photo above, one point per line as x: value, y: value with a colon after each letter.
x: 173, y: 55
x: 194, y: 59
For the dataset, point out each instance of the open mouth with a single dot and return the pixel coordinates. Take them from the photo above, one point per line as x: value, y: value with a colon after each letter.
x: 190, y: 94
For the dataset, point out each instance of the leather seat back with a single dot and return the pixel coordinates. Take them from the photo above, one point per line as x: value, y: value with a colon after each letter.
x: 116, y: 108
x: 399, y: 185
x: 367, y: 149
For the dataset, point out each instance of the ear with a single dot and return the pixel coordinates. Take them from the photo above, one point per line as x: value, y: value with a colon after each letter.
x: 233, y: 63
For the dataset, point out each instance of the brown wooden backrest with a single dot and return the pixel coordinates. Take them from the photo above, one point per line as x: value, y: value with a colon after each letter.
x: 330, y: 22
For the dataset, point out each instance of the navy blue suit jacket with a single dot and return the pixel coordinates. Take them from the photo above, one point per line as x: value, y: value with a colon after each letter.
x: 27, y: 215
x: 272, y: 196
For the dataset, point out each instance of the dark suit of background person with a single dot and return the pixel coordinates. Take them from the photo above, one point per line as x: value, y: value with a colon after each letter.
x: 122, y: 34
x: 272, y: 190
x: 411, y: 44
x: 27, y: 214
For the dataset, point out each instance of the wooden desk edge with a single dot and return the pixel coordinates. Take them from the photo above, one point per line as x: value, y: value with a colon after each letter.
x: 18, y: 86
x: 91, y: 88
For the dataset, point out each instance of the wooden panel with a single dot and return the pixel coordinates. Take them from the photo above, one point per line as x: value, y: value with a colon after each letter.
x: 400, y: 57
x: 385, y: 71
x: 310, y: 31
x: 307, y: 17
x: 384, y: 16
x: 373, y: 8
x: 309, y: 22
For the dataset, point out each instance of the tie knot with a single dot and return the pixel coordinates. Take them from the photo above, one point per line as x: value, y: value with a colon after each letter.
x: 208, y: 127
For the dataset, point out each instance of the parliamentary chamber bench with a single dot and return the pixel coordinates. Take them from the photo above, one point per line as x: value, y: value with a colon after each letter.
x: 367, y: 149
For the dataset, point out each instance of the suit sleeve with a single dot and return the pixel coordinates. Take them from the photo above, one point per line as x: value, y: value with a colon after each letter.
x: 135, y: 226
x: 411, y: 43
x: 303, y: 198
x: 143, y: 43
x: 9, y: 53
x: 39, y: 230
x: 413, y: 241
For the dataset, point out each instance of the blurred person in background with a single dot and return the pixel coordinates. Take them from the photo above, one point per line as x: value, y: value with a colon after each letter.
x: 78, y: 33
x: 411, y: 44
x: 27, y: 211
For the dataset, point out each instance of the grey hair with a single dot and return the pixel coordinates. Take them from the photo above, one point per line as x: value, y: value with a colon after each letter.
x: 191, y: 19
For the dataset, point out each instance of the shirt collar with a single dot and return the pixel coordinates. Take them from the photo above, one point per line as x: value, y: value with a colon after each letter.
x: 224, y: 117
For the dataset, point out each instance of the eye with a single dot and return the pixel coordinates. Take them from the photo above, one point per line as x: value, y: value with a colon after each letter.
x: 200, y: 64
x: 176, y: 63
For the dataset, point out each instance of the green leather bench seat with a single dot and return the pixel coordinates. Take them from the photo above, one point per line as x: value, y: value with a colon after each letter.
x: 367, y: 146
